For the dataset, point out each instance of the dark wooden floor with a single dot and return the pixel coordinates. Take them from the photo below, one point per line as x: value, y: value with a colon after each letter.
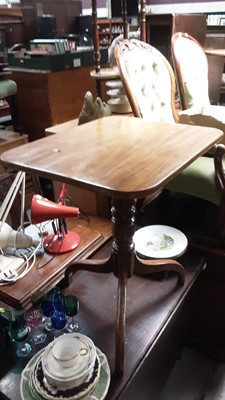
x: 200, y: 373
x: 195, y: 377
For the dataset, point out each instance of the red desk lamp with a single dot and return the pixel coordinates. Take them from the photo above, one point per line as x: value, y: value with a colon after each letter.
x: 42, y: 209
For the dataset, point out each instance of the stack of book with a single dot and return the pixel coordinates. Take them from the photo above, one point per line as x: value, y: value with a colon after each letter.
x: 55, y: 46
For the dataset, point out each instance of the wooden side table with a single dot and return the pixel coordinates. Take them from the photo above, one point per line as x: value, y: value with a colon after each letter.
x: 124, y: 158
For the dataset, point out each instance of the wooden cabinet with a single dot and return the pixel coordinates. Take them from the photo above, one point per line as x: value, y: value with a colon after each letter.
x: 64, y: 11
x: 161, y: 27
x: 108, y: 29
x: 12, y: 24
x: 50, y: 98
x: 215, y: 39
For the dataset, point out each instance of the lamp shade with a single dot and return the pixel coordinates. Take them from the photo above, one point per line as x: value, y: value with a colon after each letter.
x: 17, y: 239
x: 43, y: 209
x: 61, y: 241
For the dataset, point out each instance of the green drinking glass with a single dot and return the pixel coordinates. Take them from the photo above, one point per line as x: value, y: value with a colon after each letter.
x: 71, y: 308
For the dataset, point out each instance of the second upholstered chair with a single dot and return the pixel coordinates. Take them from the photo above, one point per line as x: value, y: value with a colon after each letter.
x: 150, y: 86
x: 191, y: 69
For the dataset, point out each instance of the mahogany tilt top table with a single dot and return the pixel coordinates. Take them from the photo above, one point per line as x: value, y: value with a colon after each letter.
x: 124, y: 158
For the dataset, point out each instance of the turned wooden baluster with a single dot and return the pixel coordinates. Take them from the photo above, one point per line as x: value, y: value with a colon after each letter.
x: 143, y: 21
x: 96, y: 44
x: 124, y: 17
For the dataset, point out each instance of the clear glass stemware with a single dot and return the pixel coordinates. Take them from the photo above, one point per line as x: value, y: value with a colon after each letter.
x: 33, y: 318
x: 19, y: 332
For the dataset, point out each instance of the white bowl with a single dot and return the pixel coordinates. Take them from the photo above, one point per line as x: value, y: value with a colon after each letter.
x: 69, y: 360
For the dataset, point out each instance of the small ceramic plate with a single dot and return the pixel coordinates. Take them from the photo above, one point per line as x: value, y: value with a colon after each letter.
x: 40, y: 385
x: 116, y: 92
x: 120, y: 108
x: 120, y: 100
x: 106, y: 73
x: 117, y: 83
x: 160, y: 241
x: 98, y: 392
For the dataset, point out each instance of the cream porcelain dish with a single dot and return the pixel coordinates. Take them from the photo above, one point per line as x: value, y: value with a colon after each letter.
x: 33, y: 383
x: 115, y: 84
x: 69, y: 360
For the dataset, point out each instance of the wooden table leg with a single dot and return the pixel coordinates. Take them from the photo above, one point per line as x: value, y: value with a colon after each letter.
x: 122, y: 262
x: 123, y: 217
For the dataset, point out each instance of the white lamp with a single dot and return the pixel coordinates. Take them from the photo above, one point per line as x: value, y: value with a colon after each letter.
x: 16, y: 239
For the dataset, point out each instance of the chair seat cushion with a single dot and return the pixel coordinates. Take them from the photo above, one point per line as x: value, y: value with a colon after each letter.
x: 198, y: 180
x: 7, y: 88
x: 210, y: 116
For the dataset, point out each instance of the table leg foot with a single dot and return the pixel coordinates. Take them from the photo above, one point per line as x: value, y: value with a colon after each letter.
x: 101, y: 266
x: 145, y: 267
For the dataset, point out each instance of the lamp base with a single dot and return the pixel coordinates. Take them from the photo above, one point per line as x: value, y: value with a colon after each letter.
x: 58, y: 243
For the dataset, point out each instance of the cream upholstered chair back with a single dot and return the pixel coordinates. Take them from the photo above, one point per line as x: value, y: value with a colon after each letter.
x: 148, y: 79
x: 149, y: 82
x: 191, y: 67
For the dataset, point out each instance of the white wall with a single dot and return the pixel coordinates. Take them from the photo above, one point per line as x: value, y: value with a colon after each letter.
x: 173, y: 7
x: 189, y: 7
x: 8, y: 2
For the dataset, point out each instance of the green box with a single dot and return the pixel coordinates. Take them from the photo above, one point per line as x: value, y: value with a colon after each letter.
x: 57, y: 62
x: 47, y: 62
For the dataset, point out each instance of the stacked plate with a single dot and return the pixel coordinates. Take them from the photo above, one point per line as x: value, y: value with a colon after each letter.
x: 118, y: 101
x: 69, y: 368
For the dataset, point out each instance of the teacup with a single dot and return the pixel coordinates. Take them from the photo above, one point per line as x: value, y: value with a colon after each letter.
x: 69, y: 360
x: 66, y: 351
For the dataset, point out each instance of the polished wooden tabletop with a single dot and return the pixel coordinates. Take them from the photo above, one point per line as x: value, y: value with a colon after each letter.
x: 119, y: 156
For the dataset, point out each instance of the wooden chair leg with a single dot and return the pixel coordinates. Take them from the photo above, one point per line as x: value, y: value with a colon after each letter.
x: 13, y: 107
x: 220, y: 180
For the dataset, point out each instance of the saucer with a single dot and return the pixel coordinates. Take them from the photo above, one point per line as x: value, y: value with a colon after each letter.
x: 81, y: 364
x: 160, y: 241
x: 98, y: 392
x: 39, y: 385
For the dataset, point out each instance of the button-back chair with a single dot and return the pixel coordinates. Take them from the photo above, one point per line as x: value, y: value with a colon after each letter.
x: 191, y: 70
x: 149, y: 81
